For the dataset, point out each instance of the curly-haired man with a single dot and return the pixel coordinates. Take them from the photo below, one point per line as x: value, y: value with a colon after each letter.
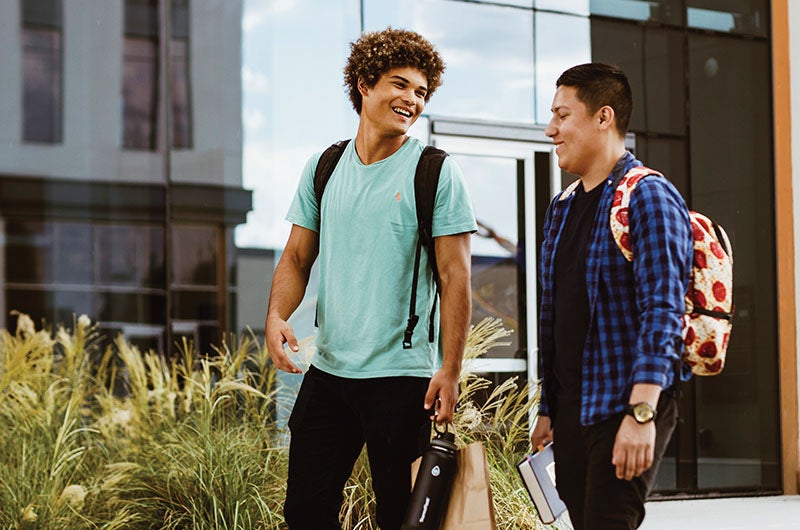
x: 363, y: 386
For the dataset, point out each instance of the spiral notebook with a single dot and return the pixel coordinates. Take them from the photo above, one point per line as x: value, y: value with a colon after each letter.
x: 538, y: 473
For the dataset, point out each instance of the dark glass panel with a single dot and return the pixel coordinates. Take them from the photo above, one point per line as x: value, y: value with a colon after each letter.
x: 130, y: 307
x: 194, y: 305
x: 667, y: 155
x: 141, y: 18
x: 70, y: 304
x: 118, y: 255
x: 181, y: 102
x: 42, y: 12
x: 666, y: 11
x: 74, y: 253
x: 652, y: 59
x: 731, y: 159
x: 180, y: 19
x: 35, y: 303
x: 42, y: 98
x: 29, y: 252
x: 139, y: 92
x: 194, y: 255
x: 152, y: 255
x: 735, y: 16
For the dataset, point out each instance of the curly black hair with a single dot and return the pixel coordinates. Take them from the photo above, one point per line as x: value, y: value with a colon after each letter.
x: 374, y: 54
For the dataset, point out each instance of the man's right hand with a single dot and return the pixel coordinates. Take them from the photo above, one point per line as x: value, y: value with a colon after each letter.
x: 277, y: 333
x: 542, y: 433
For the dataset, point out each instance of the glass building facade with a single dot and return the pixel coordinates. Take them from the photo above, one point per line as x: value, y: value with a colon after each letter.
x: 152, y: 150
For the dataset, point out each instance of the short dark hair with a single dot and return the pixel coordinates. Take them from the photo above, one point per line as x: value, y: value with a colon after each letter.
x: 376, y: 53
x: 601, y: 84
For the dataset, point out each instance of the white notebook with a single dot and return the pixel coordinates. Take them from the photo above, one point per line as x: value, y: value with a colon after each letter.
x: 538, y: 472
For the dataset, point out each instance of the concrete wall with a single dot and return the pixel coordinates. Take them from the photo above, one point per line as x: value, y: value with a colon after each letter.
x: 92, y: 59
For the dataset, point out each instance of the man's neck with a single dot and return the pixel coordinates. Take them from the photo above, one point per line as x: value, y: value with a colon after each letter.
x: 603, y: 166
x: 371, y: 146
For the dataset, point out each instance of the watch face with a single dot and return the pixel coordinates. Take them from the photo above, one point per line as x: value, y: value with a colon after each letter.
x: 643, y: 412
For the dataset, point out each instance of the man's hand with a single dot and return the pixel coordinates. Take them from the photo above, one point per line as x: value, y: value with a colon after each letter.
x: 634, y: 448
x: 442, y: 395
x: 542, y: 432
x: 277, y: 333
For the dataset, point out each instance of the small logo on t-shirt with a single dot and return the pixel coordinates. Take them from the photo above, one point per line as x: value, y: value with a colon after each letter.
x: 397, y: 197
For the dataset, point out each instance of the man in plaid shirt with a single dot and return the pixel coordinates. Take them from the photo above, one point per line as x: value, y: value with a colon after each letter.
x: 610, y: 330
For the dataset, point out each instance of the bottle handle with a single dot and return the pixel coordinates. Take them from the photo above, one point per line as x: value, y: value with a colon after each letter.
x: 438, y: 432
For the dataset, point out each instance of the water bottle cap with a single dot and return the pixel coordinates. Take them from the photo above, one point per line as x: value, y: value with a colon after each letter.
x: 445, y: 441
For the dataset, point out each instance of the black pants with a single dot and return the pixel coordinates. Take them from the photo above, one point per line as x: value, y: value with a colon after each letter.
x: 585, y: 478
x: 332, y: 419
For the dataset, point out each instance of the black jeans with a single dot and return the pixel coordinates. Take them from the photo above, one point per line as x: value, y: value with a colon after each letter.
x: 332, y: 419
x: 585, y: 478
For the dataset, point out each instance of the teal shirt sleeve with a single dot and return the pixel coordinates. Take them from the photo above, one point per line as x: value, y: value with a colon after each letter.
x: 452, y: 213
x: 304, y: 210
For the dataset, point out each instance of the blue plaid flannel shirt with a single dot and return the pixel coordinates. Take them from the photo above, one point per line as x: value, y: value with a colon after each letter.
x: 634, y: 308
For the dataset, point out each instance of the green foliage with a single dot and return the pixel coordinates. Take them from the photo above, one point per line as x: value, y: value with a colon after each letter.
x: 121, y: 438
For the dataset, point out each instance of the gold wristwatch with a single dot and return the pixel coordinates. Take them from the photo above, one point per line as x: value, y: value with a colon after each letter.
x: 642, y: 412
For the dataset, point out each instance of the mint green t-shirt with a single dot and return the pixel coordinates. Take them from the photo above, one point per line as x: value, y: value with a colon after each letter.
x: 367, y: 246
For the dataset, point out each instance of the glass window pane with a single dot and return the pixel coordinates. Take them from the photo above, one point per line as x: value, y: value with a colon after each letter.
x: 487, y: 77
x: 29, y: 252
x: 552, y: 61
x: 275, y: 113
x: 667, y: 155
x: 741, y: 16
x: 117, y: 255
x: 181, y: 102
x: 139, y: 92
x: 35, y: 303
x: 578, y: 7
x: 42, y: 85
x: 70, y: 304
x: 652, y: 59
x: 731, y: 152
x: 74, y: 253
x: 194, y: 253
x: 194, y: 305
x: 666, y: 11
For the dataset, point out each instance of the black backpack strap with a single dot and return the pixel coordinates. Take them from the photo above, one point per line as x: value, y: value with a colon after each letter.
x: 426, y: 182
x: 325, y: 166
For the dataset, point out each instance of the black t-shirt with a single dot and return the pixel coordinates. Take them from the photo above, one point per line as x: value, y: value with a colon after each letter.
x: 570, y: 299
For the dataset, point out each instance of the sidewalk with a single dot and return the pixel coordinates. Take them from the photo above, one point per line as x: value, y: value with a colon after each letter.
x: 746, y: 513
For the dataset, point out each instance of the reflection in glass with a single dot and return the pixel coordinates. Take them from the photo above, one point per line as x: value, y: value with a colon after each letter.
x: 194, y: 255
x: 737, y: 411
x: 577, y: 7
x: 666, y: 11
x: 42, y: 71
x: 554, y: 54
x: 744, y: 16
x: 651, y: 58
x: 489, y: 59
x: 139, y: 92
x: 496, y: 254
x: 179, y: 66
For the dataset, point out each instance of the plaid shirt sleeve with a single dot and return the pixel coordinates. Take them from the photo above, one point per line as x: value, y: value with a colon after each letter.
x: 661, y: 243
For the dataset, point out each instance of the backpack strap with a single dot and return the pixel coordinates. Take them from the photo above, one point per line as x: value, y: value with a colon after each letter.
x: 426, y: 182
x: 325, y: 166
x: 620, y: 228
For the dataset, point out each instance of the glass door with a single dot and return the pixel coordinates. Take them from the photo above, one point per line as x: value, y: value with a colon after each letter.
x: 509, y: 183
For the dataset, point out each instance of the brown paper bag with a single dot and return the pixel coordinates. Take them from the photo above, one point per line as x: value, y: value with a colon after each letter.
x: 470, y: 506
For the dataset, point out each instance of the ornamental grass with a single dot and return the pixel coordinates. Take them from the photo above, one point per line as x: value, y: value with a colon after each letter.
x: 111, y: 437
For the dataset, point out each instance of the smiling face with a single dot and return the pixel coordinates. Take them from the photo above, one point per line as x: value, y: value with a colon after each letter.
x: 395, y: 102
x: 575, y: 131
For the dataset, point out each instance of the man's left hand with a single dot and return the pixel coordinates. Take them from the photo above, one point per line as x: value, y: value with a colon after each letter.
x: 442, y: 396
x: 634, y: 448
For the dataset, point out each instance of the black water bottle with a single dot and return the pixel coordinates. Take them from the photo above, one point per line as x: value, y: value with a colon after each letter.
x: 433, y: 485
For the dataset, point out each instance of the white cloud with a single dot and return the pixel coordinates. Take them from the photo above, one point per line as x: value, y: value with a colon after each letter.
x: 254, y: 82
x: 257, y: 12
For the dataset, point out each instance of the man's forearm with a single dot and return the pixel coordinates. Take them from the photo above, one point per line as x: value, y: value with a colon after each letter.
x: 456, y: 312
x: 289, y: 283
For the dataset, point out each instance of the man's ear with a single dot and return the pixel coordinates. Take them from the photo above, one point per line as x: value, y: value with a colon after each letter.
x: 362, y: 87
x: 605, y: 117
